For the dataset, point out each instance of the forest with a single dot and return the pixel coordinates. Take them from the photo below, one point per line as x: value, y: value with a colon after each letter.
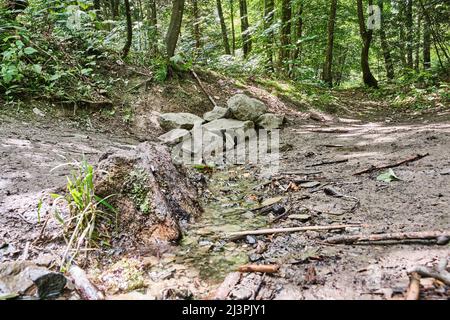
x: 224, y: 150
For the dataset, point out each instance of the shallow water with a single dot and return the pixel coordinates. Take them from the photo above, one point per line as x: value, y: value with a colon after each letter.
x: 232, y: 192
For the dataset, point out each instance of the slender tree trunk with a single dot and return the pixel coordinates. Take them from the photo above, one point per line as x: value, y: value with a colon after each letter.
x: 233, y: 32
x: 246, y: 39
x: 388, y: 63
x: 153, y: 31
x: 97, y: 4
x: 366, y: 36
x: 126, y: 48
x: 196, y: 13
x: 223, y: 27
x: 298, y: 32
x: 285, y: 35
x: 327, y: 76
x: 426, y: 46
x: 400, y: 23
x: 409, y: 30
x: 269, y: 12
x: 418, y: 37
x: 174, y: 27
x: 114, y: 8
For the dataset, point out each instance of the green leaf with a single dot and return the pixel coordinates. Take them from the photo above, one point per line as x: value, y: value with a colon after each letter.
x: 388, y: 176
x: 37, y: 68
x: 29, y: 50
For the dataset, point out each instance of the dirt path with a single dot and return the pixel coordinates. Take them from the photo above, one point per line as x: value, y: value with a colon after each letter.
x: 310, y: 269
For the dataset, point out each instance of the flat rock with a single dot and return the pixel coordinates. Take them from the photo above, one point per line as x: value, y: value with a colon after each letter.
x: 445, y: 172
x: 270, y: 121
x: 311, y: 184
x: 27, y: 279
x: 301, y: 217
x: 216, y: 113
x: 228, y: 124
x: 245, y: 108
x: 173, y: 136
x: 169, y: 121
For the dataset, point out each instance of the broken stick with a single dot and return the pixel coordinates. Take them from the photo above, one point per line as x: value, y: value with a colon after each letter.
x: 414, y: 287
x: 264, y: 268
x: 237, y: 235
x: 399, y: 163
x: 323, y: 163
x: 423, y: 235
x: 84, y: 287
x: 203, y: 88
x: 440, y: 274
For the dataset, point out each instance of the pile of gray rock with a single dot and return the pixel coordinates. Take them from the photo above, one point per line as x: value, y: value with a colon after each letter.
x: 242, y: 112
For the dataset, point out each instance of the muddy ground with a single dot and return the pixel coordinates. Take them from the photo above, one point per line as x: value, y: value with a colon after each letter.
x: 31, y: 145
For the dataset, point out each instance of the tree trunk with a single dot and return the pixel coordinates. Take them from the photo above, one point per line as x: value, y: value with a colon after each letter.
x: 246, y: 39
x: 196, y: 13
x: 298, y: 32
x: 400, y: 23
x: 426, y: 46
x: 153, y: 32
x: 114, y: 8
x: 366, y: 36
x: 223, y: 27
x: 327, y: 76
x: 409, y: 30
x: 174, y: 27
x: 269, y: 12
x: 126, y: 48
x: 285, y: 35
x: 388, y: 63
x: 97, y: 4
x: 233, y: 32
x: 417, y: 45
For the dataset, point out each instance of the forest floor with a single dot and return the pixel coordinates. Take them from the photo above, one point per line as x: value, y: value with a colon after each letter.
x: 360, y: 130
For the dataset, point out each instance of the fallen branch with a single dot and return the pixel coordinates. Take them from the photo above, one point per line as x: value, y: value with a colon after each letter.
x: 203, y: 88
x: 423, y: 235
x: 440, y: 274
x: 84, y: 287
x: 414, y: 287
x: 227, y: 285
x: 238, y: 235
x: 264, y: 268
x: 399, y: 163
x: 326, y: 163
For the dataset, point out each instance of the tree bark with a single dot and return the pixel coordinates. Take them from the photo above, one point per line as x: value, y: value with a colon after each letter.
x: 426, y: 46
x: 196, y: 13
x: 223, y: 27
x: 400, y: 23
x: 114, y: 8
x: 269, y: 12
x: 366, y: 36
x: 388, y: 63
x: 174, y: 27
x: 246, y: 39
x: 417, y: 44
x: 327, y: 76
x: 409, y: 30
x: 285, y: 35
x: 126, y: 48
x: 233, y: 32
x: 298, y: 32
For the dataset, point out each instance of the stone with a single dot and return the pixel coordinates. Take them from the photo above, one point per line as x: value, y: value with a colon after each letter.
x: 301, y: 217
x: 216, y: 113
x: 173, y: 136
x: 310, y: 184
x: 153, y: 196
x: 228, y: 124
x: 169, y: 121
x: 27, y: 279
x: 245, y: 108
x: 269, y: 121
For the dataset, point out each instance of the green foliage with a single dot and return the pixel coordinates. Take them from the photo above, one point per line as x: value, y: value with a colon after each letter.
x: 52, y: 50
x: 89, y: 216
x: 388, y: 176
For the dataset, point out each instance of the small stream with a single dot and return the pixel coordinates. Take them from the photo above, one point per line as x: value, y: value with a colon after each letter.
x: 231, y: 193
